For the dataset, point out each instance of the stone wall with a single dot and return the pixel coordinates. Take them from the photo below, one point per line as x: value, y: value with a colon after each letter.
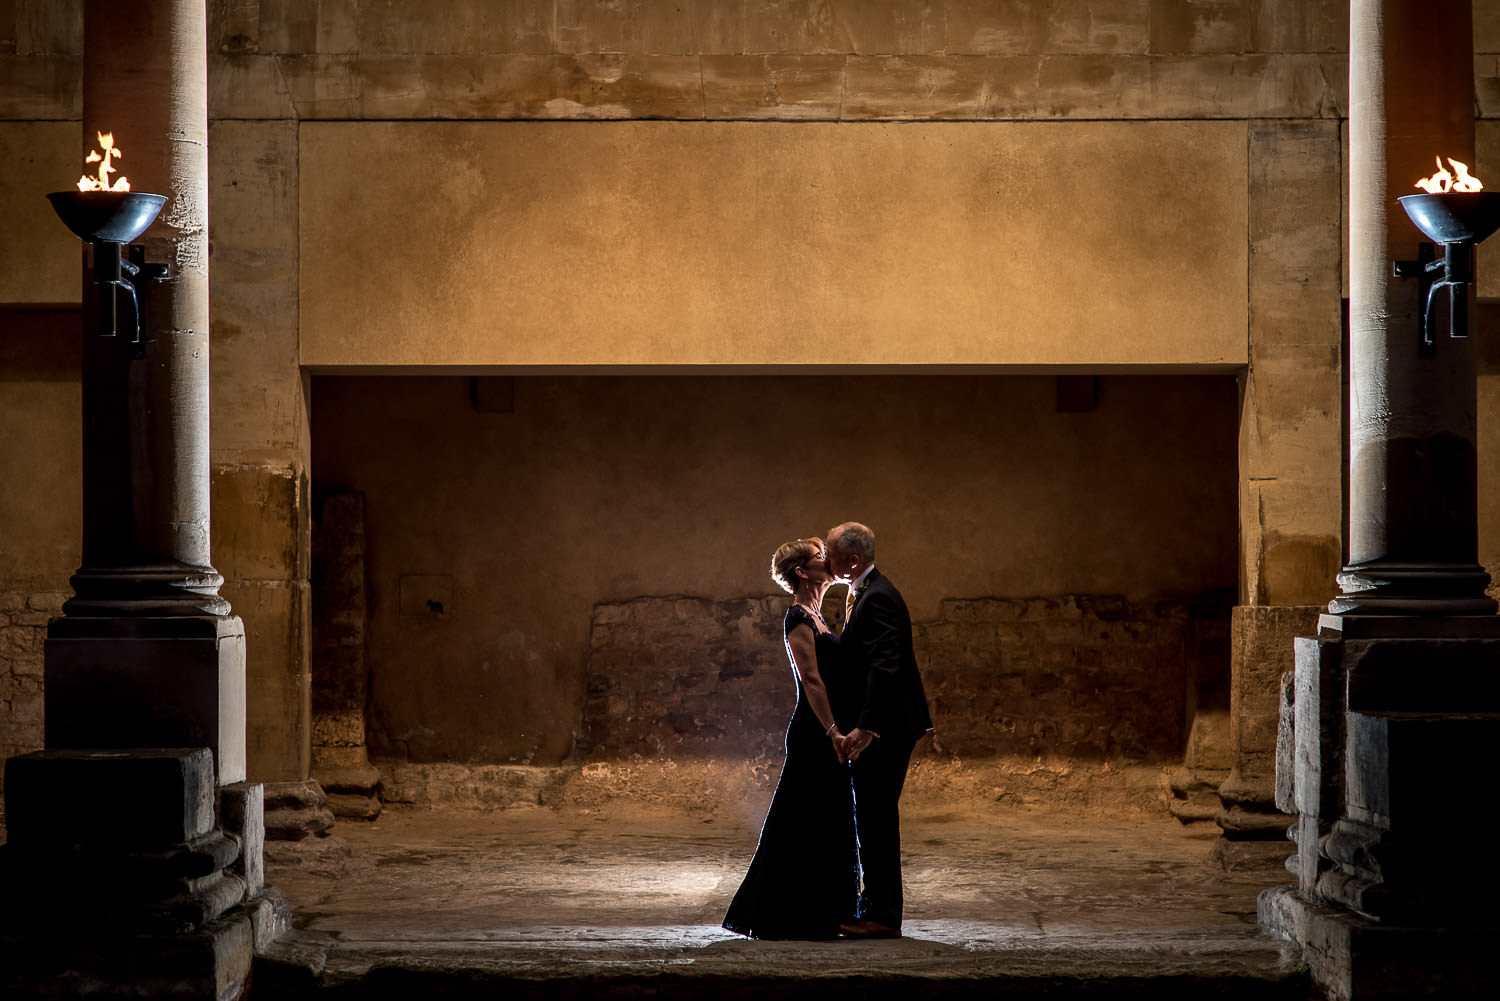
x: 686, y: 676
x: 1075, y: 677
x: 23, y: 630
x: 496, y: 534
x: 1277, y: 65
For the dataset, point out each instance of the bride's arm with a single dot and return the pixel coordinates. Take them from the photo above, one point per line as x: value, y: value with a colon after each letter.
x: 803, y: 644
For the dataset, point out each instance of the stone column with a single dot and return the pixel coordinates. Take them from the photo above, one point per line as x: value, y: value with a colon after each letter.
x: 134, y: 858
x: 1396, y: 700
x: 1413, y: 519
x: 146, y: 628
x: 146, y: 467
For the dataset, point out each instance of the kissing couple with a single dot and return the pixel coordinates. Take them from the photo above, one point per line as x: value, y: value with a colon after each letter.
x: 829, y: 858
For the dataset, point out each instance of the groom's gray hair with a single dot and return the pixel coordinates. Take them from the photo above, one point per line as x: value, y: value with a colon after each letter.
x: 855, y: 538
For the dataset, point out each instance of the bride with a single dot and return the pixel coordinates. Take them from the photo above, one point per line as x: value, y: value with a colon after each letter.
x: 804, y: 878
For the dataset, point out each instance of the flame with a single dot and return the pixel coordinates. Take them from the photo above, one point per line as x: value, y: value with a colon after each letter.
x: 1442, y: 182
x: 106, y: 167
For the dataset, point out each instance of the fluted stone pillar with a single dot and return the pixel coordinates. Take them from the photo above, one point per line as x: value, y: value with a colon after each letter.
x: 1395, y: 702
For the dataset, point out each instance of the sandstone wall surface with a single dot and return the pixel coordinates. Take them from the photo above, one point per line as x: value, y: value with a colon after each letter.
x: 1277, y: 67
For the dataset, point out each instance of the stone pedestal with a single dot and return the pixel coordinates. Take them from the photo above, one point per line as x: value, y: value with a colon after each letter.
x: 117, y: 878
x: 1388, y: 719
x: 175, y: 681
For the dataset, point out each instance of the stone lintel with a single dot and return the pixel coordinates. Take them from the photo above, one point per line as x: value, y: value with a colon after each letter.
x: 124, y: 682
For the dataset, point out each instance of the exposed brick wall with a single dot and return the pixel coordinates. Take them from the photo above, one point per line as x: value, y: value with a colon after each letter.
x: 23, y: 630
x: 1083, y: 677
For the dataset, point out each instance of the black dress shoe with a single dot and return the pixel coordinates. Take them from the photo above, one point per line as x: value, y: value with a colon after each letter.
x: 865, y: 928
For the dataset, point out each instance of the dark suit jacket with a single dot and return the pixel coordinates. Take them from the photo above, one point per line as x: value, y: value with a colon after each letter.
x: 878, y: 652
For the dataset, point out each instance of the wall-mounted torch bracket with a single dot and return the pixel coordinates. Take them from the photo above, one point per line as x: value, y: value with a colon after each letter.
x: 1460, y: 221
x: 1453, y: 271
x: 129, y: 271
x: 108, y: 221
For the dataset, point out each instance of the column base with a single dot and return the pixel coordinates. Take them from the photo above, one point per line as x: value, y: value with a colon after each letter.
x: 1354, y: 959
x: 130, y: 681
x: 296, y: 810
x: 117, y: 879
x: 176, y: 589
x: 1411, y: 589
x: 350, y: 783
x: 209, y: 963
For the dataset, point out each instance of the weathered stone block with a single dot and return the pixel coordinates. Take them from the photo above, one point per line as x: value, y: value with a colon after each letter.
x: 149, y: 682
x: 212, y: 961
x: 259, y: 512
x: 41, y: 87
x: 589, y: 26
x: 948, y: 87
x: 1286, y: 745
x: 780, y: 87
x: 1303, y: 26
x: 248, y: 85
x: 50, y: 602
x: 1456, y: 676
x: 296, y: 810
x: 1263, y: 650
x: 1198, y: 27
x: 153, y: 798
x: 39, y: 156
x: 1065, y: 26
x: 242, y: 814
x: 275, y: 615
x: 1353, y: 957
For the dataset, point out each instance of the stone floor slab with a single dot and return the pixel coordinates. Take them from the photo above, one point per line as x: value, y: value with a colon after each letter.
x: 550, y: 903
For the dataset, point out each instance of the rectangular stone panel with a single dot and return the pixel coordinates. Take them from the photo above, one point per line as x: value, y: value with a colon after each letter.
x: 46, y: 265
x: 673, y: 244
x: 149, y: 682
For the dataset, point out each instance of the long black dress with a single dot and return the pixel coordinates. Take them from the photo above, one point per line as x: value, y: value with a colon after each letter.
x: 804, y: 878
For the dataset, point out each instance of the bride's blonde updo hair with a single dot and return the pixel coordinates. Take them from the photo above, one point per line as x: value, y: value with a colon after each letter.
x: 790, y: 557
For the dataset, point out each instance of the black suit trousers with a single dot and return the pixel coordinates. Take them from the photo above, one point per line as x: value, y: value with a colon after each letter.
x: 879, y: 773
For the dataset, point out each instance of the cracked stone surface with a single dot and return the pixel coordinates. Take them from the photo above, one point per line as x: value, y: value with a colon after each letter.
x: 589, y: 900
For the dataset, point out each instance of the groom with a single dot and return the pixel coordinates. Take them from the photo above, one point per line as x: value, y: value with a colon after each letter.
x: 893, y: 715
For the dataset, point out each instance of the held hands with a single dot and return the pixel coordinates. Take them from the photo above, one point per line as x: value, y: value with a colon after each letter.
x: 838, y: 742
x: 852, y: 744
